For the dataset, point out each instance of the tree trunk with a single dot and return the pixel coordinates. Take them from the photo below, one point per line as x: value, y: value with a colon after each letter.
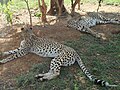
x: 57, y: 8
x: 73, y: 5
x: 29, y: 12
x: 43, y: 10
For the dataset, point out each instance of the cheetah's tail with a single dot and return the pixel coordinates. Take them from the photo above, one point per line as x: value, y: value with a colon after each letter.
x: 91, y: 77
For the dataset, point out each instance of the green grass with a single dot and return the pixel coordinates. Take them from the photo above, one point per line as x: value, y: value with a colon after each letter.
x: 32, y: 4
x: 20, y: 4
x: 112, y: 2
x: 101, y: 58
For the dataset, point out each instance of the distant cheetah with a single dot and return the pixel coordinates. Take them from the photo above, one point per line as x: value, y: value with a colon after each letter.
x: 83, y: 23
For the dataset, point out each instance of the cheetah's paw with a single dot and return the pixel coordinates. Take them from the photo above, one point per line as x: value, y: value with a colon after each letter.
x: 1, y: 62
x: 40, y: 77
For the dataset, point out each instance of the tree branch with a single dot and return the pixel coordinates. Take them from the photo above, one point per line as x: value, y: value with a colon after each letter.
x: 29, y: 12
x: 99, y: 4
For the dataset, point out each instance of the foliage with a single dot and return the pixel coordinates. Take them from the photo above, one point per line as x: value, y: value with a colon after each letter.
x: 7, y: 10
x: 38, y: 14
x: 102, y: 59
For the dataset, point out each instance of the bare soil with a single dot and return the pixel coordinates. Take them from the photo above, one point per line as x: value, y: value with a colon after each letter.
x: 10, y: 39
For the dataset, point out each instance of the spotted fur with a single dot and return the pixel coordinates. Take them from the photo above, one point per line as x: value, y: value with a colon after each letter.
x: 84, y: 23
x: 62, y: 55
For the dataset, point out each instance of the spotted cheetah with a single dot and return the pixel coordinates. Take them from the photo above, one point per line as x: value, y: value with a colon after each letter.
x: 85, y: 22
x: 62, y: 56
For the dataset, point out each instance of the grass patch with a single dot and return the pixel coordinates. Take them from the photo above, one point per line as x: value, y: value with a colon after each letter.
x: 109, y: 2
x: 28, y: 81
x: 101, y: 58
x: 112, y: 2
x: 21, y: 4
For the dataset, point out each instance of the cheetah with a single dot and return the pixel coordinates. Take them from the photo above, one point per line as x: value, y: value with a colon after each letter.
x: 85, y: 22
x: 62, y: 56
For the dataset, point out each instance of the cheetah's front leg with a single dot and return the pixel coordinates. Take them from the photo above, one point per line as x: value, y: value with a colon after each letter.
x: 17, y: 54
x: 10, y: 52
x: 13, y: 51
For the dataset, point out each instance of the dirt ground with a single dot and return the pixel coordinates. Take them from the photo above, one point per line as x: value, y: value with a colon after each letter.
x: 10, y: 39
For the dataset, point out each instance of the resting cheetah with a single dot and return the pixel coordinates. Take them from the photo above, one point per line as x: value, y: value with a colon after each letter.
x: 84, y: 23
x: 62, y: 55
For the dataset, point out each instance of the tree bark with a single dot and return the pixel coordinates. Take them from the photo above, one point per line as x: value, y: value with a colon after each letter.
x: 57, y: 8
x: 43, y: 10
x: 29, y: 12
x: 73, y: 5
x: 99, y: 5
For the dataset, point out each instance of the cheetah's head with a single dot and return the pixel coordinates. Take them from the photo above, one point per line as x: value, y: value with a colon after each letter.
x: 26, y: 32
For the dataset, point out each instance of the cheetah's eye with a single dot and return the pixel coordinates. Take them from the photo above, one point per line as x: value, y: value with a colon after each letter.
x: 22, y: 28
x: 31, y: 28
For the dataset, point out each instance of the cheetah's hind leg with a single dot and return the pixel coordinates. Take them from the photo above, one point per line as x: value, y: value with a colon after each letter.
x: 52, y: 73
x: 46, y: 76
